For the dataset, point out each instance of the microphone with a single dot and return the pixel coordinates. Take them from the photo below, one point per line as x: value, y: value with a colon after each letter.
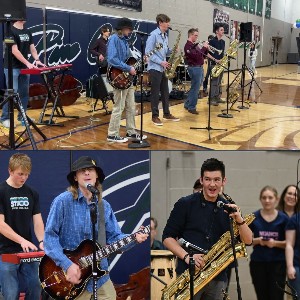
x: 140, y: 32
x: 227, y: 208
x: 92, y: 189
x: 183, y: 242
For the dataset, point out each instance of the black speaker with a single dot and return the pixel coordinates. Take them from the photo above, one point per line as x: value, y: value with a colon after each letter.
x: 246, y: 32
x: 12, y: 10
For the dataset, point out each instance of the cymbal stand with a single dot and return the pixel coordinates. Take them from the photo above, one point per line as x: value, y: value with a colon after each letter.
x: 185, y: 81
x: 208, y: 127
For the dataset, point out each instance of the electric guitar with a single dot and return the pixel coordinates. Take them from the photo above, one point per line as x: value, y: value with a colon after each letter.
x: 122, y: 80
x: 53, y: 278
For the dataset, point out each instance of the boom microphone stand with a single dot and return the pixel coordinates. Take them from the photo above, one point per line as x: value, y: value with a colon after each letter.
x: 141, y: 143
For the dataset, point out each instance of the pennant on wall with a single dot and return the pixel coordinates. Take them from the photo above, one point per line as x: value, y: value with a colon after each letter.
x: 221, y: 17
x: 123, y: 4
x: 268, y: 9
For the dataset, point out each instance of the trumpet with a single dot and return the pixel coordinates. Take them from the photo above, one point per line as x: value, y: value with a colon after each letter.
x: 211, y: 48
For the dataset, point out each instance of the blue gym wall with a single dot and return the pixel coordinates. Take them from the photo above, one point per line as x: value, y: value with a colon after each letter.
x: 126, y: 188
x: 68, y: 37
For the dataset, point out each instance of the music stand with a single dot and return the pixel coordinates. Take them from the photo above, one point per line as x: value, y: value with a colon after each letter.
x: 140, y: 143
x: 13, y: 99
x: 208, y: 127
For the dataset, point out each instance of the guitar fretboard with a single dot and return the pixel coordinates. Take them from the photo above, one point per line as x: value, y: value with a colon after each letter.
x: 110, y: 249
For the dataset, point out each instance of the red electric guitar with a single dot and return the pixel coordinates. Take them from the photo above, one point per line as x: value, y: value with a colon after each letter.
x: 53, y: 278
x: 122, y: 80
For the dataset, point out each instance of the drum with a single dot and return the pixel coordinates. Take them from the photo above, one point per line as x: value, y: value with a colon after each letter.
x: 107, y: 85
x: 146, y: 79
x: 162, y: 267
x: 170, y: 86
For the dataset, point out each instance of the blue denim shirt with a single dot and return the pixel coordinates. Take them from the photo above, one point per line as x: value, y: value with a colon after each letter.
x: 69, y: 223
x: 117, y: 52
x: 154, y: 62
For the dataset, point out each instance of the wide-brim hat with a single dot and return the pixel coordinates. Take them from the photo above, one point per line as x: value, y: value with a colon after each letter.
x: 82, y: 163
x: 124, y: 23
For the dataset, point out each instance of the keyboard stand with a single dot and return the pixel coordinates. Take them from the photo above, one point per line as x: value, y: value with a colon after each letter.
x: 54, y: 97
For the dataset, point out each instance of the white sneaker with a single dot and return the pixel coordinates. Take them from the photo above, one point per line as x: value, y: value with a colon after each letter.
x: 135, y: 136
x: 116, y: 138
x: 6, y: 123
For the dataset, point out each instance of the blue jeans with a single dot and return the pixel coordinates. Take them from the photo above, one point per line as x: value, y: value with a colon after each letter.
x: 10, y: 275
x: 295, y: 283
x: 196, y: 75
x: 21, y: 86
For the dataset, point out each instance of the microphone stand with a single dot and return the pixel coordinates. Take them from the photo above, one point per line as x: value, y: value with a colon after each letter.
x: 191, y: 272
x: 208, y: 127
x: 238, y: 287
x: 141, y: 143
x: 93, y: 214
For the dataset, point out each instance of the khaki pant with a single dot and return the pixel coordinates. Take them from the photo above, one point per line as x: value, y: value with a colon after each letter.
x: 122, y: 97
x: 105, y: 292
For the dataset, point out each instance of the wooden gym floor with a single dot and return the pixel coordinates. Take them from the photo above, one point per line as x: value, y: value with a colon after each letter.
x: 271, y: 122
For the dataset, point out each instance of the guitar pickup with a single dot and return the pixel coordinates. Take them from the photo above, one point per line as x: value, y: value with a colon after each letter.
x: 57, y: 278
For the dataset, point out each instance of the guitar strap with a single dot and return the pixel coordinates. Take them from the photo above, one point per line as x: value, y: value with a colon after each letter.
x: 101, y: 224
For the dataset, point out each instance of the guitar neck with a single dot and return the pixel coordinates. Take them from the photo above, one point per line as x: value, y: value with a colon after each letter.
x: 112, y: 248
x: 138, y: 62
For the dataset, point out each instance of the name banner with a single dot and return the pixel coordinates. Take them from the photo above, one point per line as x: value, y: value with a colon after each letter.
x: 123, y: 4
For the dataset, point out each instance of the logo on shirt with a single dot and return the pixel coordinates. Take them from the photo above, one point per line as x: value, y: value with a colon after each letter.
x: 24, y: 37
x: 19, y: 203
x: 269, y: 234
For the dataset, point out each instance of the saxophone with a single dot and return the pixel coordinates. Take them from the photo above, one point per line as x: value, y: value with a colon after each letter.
x: 234, y: 95
x: 230, y: 53
x: 216, y: 260
x: 174, y: 60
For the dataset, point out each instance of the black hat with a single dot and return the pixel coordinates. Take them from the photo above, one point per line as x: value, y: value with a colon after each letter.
x: 82, y: 163
x: 124, y: 23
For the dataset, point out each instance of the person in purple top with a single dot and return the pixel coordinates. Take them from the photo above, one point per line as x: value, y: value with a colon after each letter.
x: 194, y: 54
x: 267, y: 265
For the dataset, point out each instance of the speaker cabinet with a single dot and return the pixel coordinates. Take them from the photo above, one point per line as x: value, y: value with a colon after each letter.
x: 12, y: 10
x: 246, y: 32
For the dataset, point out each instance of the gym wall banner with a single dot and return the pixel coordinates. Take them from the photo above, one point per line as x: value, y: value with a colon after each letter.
x: 123, y: 4
x: 221, y: 17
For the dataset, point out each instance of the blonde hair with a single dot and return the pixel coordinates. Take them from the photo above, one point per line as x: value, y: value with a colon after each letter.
x: 20, y: 160
x: 73, y: 189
